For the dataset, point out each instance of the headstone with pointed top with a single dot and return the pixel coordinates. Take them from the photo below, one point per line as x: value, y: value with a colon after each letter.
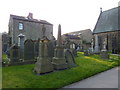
x: 59, y: 61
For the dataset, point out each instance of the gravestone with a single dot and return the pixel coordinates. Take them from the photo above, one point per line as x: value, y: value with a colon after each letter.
x: 36, y: 48
x: 86, y: 52
x: 14, y: 53
x: 29, y: 50
x: 69, y: 58
x: 59, y: 61
x: 43, y: 64
x: 67, y: 43
x: 73, y: 48
x: 104, y: 54
x: 51, y: 48
x: 91, y: 51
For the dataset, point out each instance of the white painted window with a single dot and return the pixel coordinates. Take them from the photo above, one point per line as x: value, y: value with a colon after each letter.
x: 20, y: 26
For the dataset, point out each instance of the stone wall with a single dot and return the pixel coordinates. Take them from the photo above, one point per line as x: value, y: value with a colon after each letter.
x: 113, y: 40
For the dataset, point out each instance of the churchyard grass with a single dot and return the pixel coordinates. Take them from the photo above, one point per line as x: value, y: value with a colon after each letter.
x: 0, y: 77
x: 22, y: 76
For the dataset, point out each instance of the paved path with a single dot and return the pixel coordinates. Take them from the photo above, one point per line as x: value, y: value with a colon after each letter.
x: 107, y: 79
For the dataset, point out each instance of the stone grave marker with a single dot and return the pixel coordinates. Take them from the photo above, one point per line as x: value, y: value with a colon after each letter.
x: 29, y: 50
x: 69, y: 58
x: 86, y: 52
x: 51, y: 48
x: 14, y: 53
x: 59, y: 61
x: 36, y: 48
x: 43, y: 64
x: 104, y: 54
x: 73, y: 48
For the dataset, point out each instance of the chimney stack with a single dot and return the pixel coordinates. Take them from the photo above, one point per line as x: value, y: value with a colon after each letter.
x: 100, y: 9
x: 30, y: 16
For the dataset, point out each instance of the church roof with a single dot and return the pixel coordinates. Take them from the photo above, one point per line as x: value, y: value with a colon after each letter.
x: 108, y: 21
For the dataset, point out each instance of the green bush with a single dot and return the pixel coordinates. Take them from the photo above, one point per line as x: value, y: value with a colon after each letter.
x: 5, y: 58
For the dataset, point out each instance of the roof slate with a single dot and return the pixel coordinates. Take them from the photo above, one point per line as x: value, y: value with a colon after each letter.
x: 108, y: 21
x: 72, y: 36
x: 30, y: 20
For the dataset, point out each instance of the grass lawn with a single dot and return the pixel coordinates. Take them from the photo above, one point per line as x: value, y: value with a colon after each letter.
x: 23, y: 77
x: 0, y: 77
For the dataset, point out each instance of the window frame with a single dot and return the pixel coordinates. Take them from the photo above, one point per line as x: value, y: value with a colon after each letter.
x: 20, y: 26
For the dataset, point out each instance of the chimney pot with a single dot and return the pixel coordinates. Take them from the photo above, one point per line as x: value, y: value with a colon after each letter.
x: 30, y: 16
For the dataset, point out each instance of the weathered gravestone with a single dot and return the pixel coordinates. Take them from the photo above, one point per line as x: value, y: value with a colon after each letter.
x: 36, y: 48
x: 43, y: 64
x: 59, y: 61
x: 14, y: 53
x: 104, y: 54
x: 90, y: 51
x: 69, y: 58
x: 86, y: 52
x: 51, y: 48
x: 29, y: 50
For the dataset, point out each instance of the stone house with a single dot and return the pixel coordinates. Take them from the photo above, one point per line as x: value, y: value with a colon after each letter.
x: 23, y: 28
x: 108, y: 27
x: 5, y: 41
x: 82, y: 37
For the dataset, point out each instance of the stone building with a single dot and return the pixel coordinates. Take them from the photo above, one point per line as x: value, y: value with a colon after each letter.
x: 5, y: 41
x: 82, y: 37
x: 108, y: 27
x: 72, y: 38
x: 23, y: 28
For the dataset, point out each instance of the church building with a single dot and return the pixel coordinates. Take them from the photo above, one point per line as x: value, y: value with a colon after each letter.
x: 108, y: 26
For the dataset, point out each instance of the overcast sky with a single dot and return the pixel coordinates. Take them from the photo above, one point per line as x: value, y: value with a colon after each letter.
x: 73, y: 15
